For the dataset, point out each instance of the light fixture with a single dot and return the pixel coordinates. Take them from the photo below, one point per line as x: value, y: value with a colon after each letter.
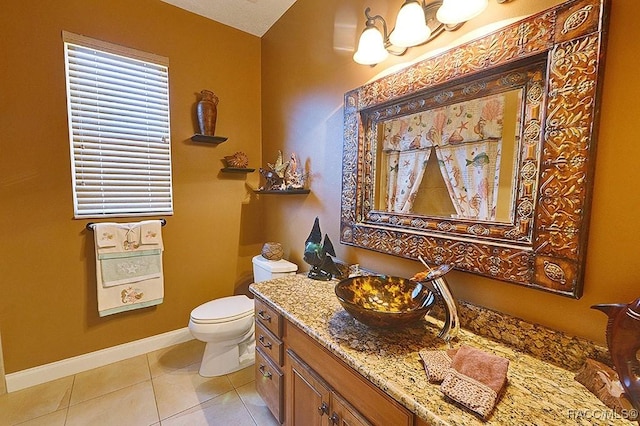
x: 456, y: 11
x: 371, y: 47
x: 411, y: 26
x: 417, y: 23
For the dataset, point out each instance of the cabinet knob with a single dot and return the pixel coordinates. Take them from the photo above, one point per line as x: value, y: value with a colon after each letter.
x: 323, y: 409
x: 263, y: 316
x: 261, y: 340
x: 335, y: 419
x: 264, y: 372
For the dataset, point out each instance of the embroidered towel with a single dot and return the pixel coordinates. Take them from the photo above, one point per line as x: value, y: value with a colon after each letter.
x: 150, y: 232
x: 475, y: 379
x: 436, y: 363
x: 125, y: 268
x: 105, y: 235
x: 128, y: 272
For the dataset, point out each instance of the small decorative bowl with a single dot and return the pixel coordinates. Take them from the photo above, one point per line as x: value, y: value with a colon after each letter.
x: 272, y: 251
x: 384, y: 301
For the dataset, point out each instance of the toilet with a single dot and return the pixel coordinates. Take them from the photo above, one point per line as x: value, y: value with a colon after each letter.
x: 227, y: 325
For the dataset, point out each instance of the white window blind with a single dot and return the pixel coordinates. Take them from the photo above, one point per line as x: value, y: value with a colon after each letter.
x: 118, y: 108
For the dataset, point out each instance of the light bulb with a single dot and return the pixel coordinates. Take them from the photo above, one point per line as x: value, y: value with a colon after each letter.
x: 455, y: 11
x: 411, y: 28
x: 370, y: 47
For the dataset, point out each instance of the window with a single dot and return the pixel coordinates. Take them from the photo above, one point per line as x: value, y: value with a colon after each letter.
x: 118, y: 110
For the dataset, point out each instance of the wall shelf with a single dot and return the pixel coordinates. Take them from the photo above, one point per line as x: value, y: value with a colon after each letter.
x: 237, y: 170
x: 283, y: 192
x: 209, y: 139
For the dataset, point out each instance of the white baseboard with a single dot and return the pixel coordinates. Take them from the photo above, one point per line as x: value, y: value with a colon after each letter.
x: 67, y: 367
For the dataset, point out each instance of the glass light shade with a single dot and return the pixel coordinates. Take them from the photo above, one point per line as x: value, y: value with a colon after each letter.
x: 411, y: 28
x: 455, y: 11
x: 370, y: 47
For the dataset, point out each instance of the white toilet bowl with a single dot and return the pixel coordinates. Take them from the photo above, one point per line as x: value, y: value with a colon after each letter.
x: 226, y: 325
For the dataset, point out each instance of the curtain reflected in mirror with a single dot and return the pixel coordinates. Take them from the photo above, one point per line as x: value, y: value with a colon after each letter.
x: 453, y: 161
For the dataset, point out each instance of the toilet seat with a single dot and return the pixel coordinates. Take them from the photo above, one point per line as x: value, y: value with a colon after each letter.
x: 223, y: 310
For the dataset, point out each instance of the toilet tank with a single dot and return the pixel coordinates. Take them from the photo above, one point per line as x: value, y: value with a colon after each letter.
x: 264, y: 269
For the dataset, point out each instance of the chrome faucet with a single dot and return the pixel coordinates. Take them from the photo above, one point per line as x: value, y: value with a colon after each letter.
x: 451, y: 325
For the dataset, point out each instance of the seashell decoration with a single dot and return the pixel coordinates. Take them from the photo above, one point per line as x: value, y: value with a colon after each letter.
x: 272, y: 251
x: 238, y: 160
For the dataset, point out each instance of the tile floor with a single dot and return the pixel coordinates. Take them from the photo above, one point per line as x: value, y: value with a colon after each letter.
x: 161, y: 388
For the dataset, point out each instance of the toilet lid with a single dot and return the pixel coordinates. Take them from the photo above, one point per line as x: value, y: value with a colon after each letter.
x: 223, y: 310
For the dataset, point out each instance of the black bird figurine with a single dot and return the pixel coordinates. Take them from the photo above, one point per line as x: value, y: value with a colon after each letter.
x: 318, y: 254
x: 623, y: 340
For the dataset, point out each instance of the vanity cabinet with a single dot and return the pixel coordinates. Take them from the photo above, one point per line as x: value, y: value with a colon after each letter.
x: 313, y: 401
x: 303, y: 383
x: 269, y: 359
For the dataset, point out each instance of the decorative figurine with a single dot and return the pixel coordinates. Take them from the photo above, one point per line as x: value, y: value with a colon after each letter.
x: 295, y: 178
x: 279, y: 166
x: 238, y: 160
x: 274, y: 182
x: 623, y: 340
x: 318, y: 255
x: 283, y: 175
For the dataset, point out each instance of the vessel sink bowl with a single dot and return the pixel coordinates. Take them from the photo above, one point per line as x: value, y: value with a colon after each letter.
x: 384, y: 301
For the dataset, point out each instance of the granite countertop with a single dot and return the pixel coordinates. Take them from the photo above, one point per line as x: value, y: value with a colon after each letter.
x: 537, y: 392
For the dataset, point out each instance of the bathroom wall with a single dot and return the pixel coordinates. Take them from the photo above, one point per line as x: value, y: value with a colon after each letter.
x: 307, y: 68
x: 47, y: 273
x: 3, y: 383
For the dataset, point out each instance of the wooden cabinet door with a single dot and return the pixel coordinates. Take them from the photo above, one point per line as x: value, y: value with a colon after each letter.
x: 343, y: 414
x: 309, y: 403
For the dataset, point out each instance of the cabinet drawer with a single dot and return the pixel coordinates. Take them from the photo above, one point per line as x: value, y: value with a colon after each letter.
x: 269, y: 384
x: 268, y: 317
x: 270, y: 344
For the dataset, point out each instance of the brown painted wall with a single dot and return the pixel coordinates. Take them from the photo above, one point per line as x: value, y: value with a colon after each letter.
x: 306, y: 69
x: 47, y: 272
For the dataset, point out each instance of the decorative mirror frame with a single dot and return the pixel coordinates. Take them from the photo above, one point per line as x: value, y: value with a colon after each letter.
x: 544, y: 247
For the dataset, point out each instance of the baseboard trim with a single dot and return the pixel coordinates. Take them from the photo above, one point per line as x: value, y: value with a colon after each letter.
x: 66, y: 367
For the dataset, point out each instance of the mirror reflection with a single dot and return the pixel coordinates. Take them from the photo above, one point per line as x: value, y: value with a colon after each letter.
x: 456, y: 160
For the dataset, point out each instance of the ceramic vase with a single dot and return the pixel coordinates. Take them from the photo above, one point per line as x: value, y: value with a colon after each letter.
x: 207, y: 112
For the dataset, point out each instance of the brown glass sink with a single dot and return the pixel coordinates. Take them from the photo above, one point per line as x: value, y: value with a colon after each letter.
x: 384, y: 301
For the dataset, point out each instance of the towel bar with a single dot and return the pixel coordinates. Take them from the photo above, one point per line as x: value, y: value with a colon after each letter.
x: 90, y: 225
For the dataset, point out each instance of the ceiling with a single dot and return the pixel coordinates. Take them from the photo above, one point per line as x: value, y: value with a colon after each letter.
x: 251, y: 16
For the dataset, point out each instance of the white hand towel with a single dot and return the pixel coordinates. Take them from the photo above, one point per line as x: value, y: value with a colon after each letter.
x: 151, y: 232
x: 105, y: 234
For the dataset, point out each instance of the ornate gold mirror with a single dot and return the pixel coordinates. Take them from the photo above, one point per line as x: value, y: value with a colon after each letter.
x: 483, y: 156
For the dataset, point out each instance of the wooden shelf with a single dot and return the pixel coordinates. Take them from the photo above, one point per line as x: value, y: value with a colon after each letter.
x: 284, y: 192
x: 237, y: 170
x: 209, y: 139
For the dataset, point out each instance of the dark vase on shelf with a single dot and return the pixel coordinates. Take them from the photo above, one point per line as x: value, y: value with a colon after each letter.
x: 207, y: 111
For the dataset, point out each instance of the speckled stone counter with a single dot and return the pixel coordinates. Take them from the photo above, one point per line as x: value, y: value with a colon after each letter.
x: 537, y: 393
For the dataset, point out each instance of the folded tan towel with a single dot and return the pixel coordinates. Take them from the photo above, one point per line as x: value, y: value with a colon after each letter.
x: 475, y: 379
x: 436, y: 363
